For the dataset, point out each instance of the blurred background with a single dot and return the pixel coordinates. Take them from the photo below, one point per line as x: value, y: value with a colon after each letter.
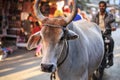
x: 17, y: 19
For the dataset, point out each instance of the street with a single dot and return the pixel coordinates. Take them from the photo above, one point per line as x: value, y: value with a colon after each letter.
x: 23, y: 65
x: 113, y: 72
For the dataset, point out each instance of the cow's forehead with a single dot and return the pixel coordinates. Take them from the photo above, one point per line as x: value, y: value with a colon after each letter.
x: 47, y: 30
x: 54, y: 21
x: 51, y: 34
x: 52, y: 27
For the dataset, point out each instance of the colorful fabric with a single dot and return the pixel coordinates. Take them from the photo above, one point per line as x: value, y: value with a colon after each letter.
x: 38, y: 48
x: 58, y: 13
x: 36, y: 29
x: 77, y: 17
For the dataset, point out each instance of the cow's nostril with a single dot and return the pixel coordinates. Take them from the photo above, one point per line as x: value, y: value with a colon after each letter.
x: 47, y: 67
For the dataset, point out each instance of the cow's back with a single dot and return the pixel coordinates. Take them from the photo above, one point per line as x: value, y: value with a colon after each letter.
x: 93, y: 47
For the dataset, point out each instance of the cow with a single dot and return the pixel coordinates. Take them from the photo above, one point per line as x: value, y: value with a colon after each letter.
x: 71, y: 50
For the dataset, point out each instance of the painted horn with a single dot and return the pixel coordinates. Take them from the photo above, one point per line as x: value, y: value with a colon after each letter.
x: 37, y: 11
x: 73, y: 13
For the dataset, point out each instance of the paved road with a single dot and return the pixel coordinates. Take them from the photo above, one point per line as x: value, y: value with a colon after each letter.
x: 23, y: 65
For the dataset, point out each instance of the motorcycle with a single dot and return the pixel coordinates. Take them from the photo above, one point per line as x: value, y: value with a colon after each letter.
x: 108, y: 41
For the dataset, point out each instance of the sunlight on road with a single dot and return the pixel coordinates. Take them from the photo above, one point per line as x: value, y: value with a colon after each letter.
x: 22, y: 67
x: 5, y: 70
x: 23, y: 74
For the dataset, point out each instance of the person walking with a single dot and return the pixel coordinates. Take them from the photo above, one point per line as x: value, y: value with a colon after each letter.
x: 37, y: 27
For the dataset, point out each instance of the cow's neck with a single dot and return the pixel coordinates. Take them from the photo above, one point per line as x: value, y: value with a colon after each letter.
x: 64, y: 54
x: 61, y: 60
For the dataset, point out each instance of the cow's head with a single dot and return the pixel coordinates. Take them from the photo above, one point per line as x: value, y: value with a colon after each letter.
x: 54, y: 35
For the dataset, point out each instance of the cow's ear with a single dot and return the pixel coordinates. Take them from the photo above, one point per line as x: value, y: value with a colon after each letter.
x: 71, y: 35
x: 33, y: 41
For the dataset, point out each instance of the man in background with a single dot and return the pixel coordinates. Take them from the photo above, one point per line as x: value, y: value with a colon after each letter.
x: 106, y: 23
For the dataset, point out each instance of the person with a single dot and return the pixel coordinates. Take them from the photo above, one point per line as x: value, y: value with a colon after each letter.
x: 38, y: 51
x: 81, y: 15
x: 26, y: 25
x: 84, y: 16
x: 36, y: 28
x: 45, y: 8
x: 78, y: 15
x: 53, y: 8
x: 105, y: 21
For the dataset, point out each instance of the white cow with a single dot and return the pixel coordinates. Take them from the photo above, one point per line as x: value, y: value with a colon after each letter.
x: 73, y: 52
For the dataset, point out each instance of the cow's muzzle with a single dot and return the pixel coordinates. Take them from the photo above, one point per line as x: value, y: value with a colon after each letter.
x: 47, y: 67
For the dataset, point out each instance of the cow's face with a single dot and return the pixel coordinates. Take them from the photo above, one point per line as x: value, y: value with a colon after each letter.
x: 52, y: 45
x: 53, y: 40
x: 53, y: 36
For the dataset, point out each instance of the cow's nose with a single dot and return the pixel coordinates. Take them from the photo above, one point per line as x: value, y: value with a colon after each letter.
x: 47, y: 67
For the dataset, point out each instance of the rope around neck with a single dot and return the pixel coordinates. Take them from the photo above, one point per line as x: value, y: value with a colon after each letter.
x: 53, y: 77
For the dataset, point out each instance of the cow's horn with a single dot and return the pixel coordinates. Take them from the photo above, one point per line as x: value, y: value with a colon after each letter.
x: 73, y: 13
x: 37, y: 11
x: 67, y: 19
